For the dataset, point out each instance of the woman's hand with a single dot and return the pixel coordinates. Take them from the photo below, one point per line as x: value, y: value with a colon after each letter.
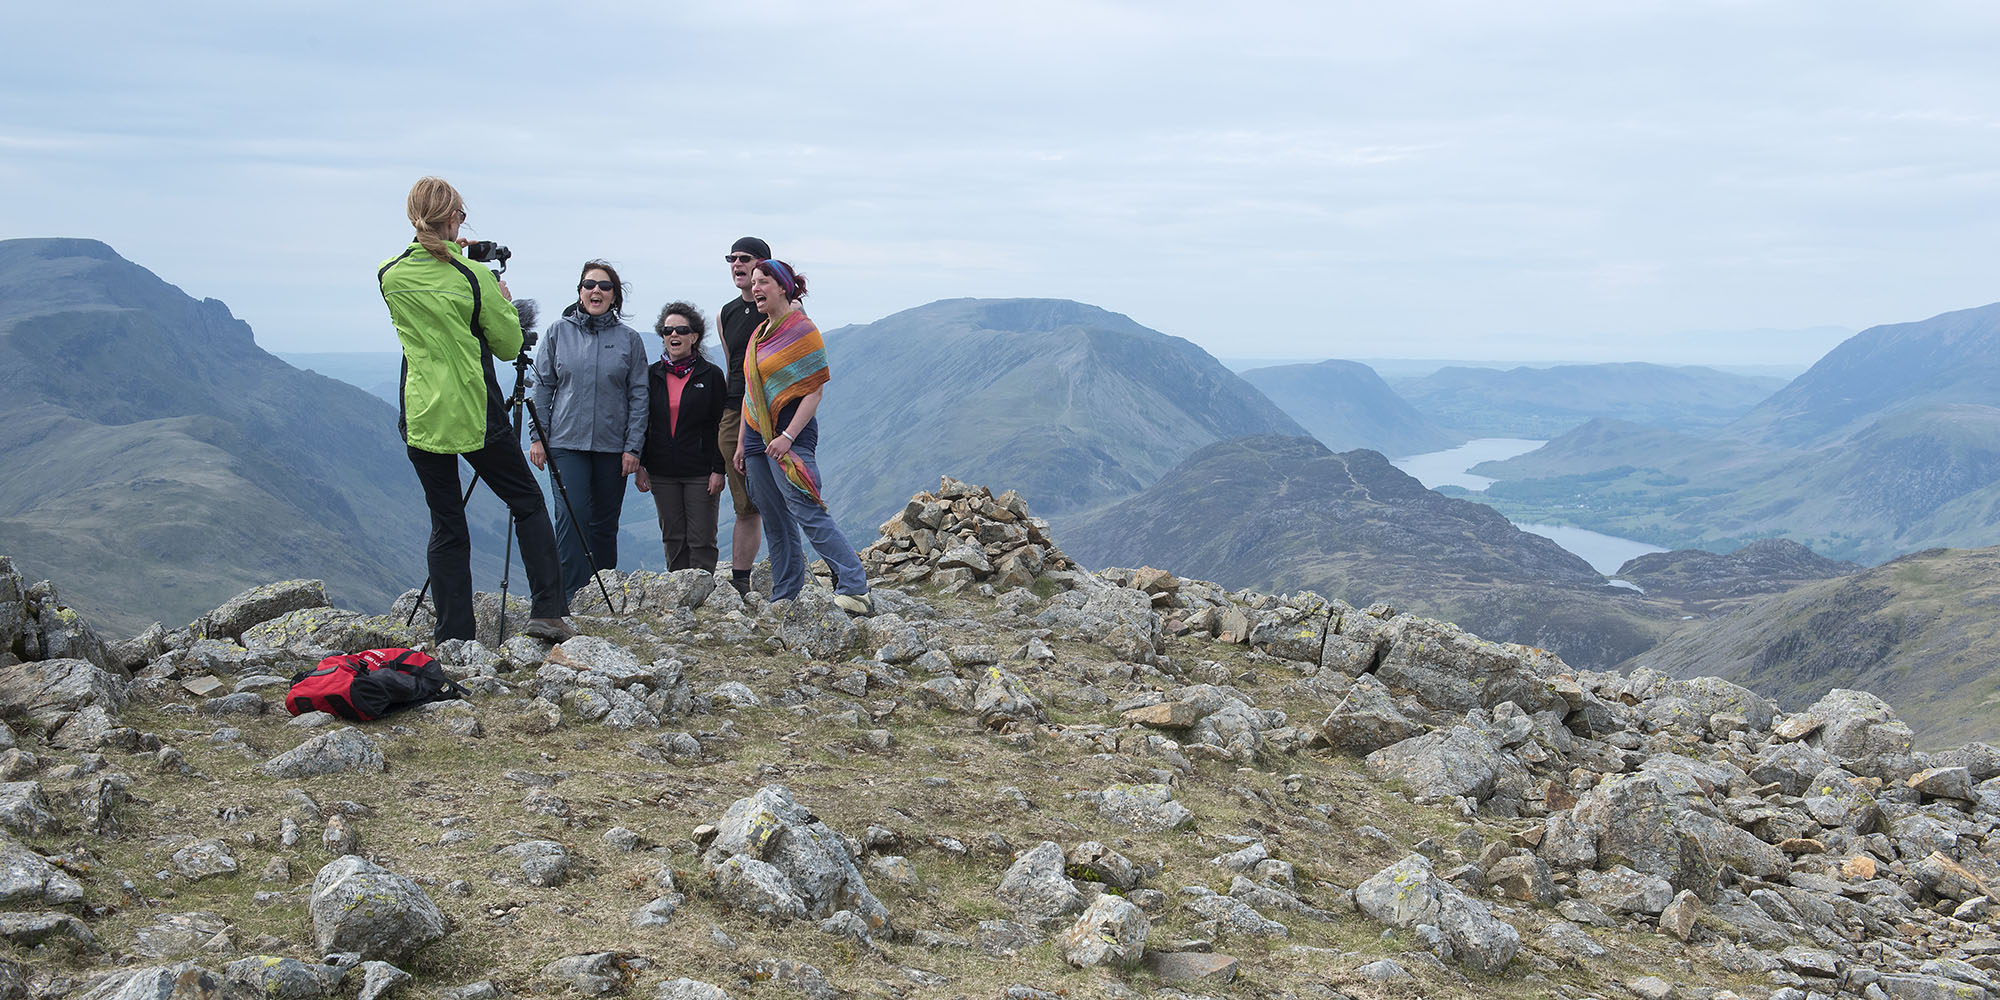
x: 778, y: 447
x: 737, y: 460
x: 641, y: 480
x: 628, y: 464
x: 715, y: 484
x: 538, y: 455
x: 502, y: 282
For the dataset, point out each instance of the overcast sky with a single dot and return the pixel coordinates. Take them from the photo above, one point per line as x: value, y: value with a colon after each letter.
x: 1559, y: 180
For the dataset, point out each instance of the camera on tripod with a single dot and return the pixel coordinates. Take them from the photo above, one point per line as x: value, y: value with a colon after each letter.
x: 487, y: 251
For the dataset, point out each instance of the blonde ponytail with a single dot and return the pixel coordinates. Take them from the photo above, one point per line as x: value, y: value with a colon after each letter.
x: 433, y: 206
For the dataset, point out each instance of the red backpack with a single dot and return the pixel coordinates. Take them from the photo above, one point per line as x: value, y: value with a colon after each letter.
x: 370, y: 684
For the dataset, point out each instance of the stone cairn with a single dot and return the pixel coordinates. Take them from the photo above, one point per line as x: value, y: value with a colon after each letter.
x: 962, y: 535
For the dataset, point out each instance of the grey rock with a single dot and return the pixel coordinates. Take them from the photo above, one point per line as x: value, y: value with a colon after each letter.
x: 27, y: 878
x: 261, y: 604
x: 544, y: 863
x: 1905, y: 986
x: 1682, y: 916
x: 1094, y: 862
x: 1408, y: 894
x: 690, y: 989
x: 1565, y: 938
x: 1003, y: 699
x: 330, y: 629
x: 1004, y: 937
x: 735, y: 694
x: 1524, y: 877
x: 746, y: 885
x: 1621, y: 890
x: 277, y: 978
x: 171, y: 934
x: 44, y: 692
x: 1147, y: 808
x: 1943, y: 782
x: 1235, y: 917
x: 1037, y: 889
x: 815, y: 861
x: 359, y: 906
x: 1789, y: 765
x: 343, y: 749
x: 1366, y: 719
x: 815, y: 626
x: 659, y: 911
x: 1454, y: 670
x: 204, y: 859
x: 1383, y: 970
x: 1110, y: 931
x: 1712, y: 696
x: 1863, y: 733
x: 379, y: 979
x: 592, y: 975
x: 26, y: 930
x: 24, y: 809
x: 1448, y: 764
x: 1981, y: 760
x: 185, y: 981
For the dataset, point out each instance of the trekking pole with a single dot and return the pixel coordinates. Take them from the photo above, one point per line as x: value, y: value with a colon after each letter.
x: 462, y: 501
x: 555, y: 477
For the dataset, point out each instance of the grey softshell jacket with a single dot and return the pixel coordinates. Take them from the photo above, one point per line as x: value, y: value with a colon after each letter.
x: 590, y: 384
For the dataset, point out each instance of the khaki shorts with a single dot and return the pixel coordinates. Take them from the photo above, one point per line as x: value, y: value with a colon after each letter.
x: 727, y: 434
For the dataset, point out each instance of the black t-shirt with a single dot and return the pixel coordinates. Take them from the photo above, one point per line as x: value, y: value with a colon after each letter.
x: 738, y: 321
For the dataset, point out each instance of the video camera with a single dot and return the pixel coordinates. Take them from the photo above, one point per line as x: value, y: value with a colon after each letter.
x: 487, y: 251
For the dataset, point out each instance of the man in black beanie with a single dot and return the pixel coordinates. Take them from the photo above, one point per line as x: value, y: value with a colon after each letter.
x: 736, y: 322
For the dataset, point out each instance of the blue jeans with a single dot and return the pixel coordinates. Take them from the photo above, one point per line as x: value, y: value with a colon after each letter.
x: 787, y: 511
x: 596, y: 489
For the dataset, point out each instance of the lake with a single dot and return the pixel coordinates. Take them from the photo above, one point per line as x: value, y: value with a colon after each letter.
x: 1605, y: 553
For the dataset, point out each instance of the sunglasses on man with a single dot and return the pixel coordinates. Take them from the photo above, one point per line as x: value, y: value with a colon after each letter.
x: 739, y: 258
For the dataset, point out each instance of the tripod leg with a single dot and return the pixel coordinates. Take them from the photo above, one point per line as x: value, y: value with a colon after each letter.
x: 462, y: 501
x: 556, y: 478
x: 506, y: 572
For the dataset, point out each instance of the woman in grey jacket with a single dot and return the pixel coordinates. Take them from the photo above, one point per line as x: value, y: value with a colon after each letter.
x: 590, y: 389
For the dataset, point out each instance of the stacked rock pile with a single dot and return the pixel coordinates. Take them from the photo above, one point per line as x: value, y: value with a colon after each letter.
x: 964, y: 535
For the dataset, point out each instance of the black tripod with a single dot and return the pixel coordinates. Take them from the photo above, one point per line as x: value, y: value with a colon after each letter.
x: 514, y: 404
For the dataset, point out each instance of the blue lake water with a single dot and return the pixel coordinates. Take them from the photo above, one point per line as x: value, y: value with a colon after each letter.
x: 1605, y: 553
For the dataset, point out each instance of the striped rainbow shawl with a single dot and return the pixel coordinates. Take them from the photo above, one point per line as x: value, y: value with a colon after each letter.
x: 783, y: 365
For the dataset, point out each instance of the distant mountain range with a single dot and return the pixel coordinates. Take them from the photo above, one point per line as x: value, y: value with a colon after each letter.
x: 1068, y: 404
x: 1890, y: 443
x: 1545, y: 402
x: 1345, y: 405
x: 1917, y: 630
x: 1287, y: 513
x: 159, y: 461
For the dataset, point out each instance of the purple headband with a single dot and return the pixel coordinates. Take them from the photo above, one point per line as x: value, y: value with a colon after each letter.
x: 784, y: 276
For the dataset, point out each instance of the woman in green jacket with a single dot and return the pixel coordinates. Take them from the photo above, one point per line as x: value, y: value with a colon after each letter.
x: 453, y: 318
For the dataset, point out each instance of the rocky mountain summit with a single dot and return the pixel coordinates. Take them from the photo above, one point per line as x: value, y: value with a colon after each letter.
x: 1017, y: 779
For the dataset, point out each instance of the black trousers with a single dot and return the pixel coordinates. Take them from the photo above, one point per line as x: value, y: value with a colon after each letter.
x: 502, y: 467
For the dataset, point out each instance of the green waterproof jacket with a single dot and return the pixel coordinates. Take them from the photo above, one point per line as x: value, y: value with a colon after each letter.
x: 453, y: 322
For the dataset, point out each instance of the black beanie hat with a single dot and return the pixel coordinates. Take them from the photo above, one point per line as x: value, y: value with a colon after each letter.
x: 753, y: 246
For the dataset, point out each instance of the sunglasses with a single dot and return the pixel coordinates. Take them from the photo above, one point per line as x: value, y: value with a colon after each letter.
x: 739, y: 258
x: 668, y: 331
x: 589, y: 283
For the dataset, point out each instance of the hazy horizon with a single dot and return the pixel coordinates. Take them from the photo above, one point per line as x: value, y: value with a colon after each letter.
x: 1439, y: 179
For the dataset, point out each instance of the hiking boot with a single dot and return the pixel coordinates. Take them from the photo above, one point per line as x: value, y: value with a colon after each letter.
x: 854, y: 604
x: 551, y: 629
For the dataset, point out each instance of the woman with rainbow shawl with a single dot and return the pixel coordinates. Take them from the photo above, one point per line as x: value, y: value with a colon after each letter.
x: 784, y: 373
